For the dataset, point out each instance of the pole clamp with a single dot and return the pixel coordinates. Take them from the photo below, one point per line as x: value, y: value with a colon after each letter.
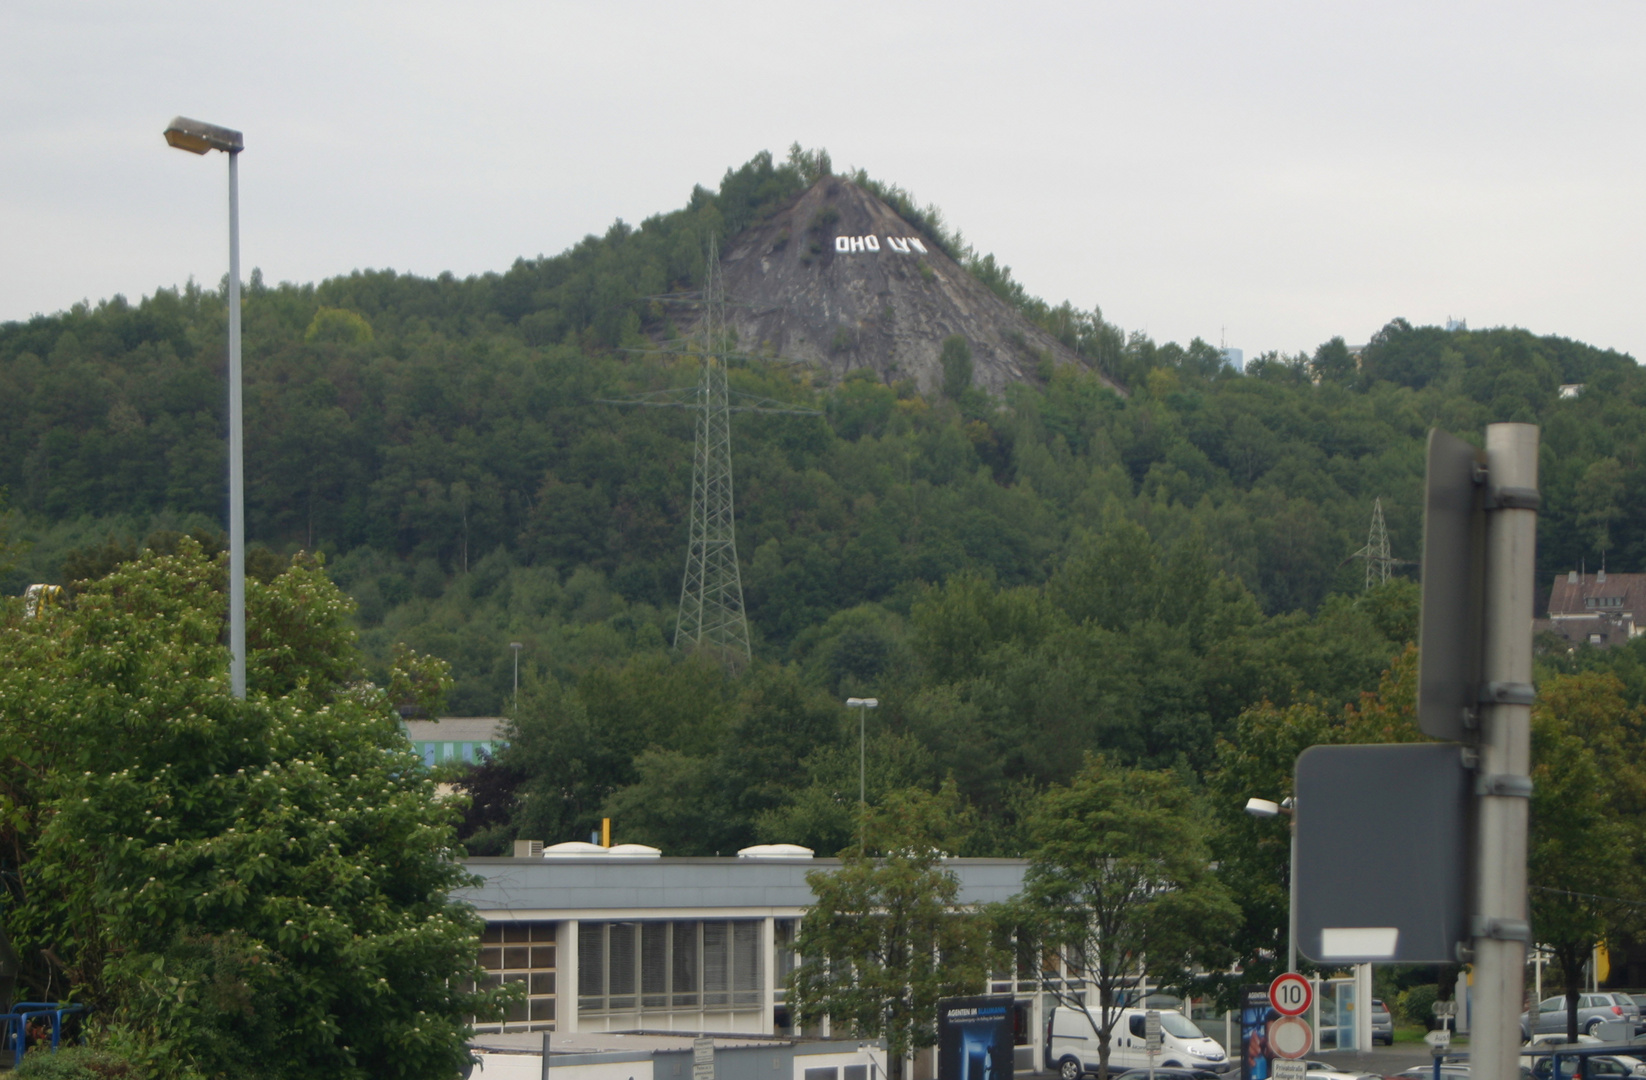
x: 1506, y: 784
x: 1513, y: 498
x: 1500, y: 929
x: 1507, y: 693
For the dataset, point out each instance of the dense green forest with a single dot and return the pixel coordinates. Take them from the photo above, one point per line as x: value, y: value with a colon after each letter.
x: 1020, y: 579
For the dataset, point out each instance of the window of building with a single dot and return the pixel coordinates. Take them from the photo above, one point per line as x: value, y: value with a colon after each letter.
x: 714, y: 964
x: 785, y: 931
x: 520, y: 952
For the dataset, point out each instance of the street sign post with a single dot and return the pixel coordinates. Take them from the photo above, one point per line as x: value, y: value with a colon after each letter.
x: 1290, y: 1037
x: 1290, y: 1069
x: 1451, y: 617
x: 1382, y: 853
x: 1151, y: 1037
x: 703, y: 1059
x: 1291, y: 994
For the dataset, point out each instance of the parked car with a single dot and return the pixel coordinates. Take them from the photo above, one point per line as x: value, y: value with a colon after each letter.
x: 1450, y: 1070
x: 1592, y: 1011
x: 1383, y: 1024
x: 1166, y: 1074
x: 1610, y: 1066
x: 1552, y: 1038
x: 1631, y: 1010
x: 1071, y: 1047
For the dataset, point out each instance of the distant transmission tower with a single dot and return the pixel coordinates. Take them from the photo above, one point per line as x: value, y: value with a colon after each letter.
x: 711, y: 592
x: 1379, y: 563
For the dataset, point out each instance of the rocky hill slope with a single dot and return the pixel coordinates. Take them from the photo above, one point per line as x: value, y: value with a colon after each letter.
x: 838, y: 279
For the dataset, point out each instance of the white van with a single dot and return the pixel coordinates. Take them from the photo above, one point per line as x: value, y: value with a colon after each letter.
x: 1071, y: 1044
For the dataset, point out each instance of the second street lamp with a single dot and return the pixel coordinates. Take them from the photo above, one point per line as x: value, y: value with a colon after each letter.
x: 1265, y: 808
x: 198, y: 137
x: 862, y: 705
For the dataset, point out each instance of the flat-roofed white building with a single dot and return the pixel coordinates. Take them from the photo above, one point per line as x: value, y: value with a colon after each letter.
x: 623, y: 939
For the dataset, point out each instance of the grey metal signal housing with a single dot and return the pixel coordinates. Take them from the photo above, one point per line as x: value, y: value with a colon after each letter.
x: 1452, y: 618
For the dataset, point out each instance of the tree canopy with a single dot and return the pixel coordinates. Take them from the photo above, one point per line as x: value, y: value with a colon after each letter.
x: 245, y: 888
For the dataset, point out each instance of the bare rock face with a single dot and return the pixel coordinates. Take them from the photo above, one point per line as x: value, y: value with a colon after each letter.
x: 838, y: 279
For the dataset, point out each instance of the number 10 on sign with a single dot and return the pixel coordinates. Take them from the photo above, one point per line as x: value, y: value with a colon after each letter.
x: 1291, y: 994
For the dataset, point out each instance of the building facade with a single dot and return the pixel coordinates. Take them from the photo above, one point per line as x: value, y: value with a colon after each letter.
x: 455, y: 738
x: 633, y: 942
x: 1597, y: 609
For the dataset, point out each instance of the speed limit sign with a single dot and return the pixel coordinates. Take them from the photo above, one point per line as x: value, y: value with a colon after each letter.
x: 1291, y: 994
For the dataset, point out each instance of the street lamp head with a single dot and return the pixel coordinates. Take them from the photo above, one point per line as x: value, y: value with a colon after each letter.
x: 1262, y: 808
x: 862, y: 703
x: 516, y: 646
x: 197, y: 136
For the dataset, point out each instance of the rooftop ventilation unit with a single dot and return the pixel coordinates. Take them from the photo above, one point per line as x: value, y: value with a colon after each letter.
x: 776, y: 851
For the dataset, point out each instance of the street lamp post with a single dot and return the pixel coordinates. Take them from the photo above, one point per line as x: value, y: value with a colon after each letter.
x: 516, y: 646
x: 862, y: 705
x: 197, y: 138
x: 1263, y: 808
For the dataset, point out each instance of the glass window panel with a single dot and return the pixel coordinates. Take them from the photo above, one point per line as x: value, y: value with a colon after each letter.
x: 516, y: 932
x: 620, y: 977
x: 491, y: 959
x: 746, y: 962
x: 543, y: 982
x: 542, y: 956
x: 544, y: 931
x: 517, y: 1011
x: 716, y: 963
x: 591, y: 959
x: 685, y: 959
x: 542, y: 1008
x: 517, y: 956
x: 654, y: 958
x: 492, y: 934
x: 855, y: 1072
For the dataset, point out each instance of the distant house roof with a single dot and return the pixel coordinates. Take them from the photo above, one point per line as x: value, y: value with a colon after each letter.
x: 1596, y: 609
x: 484, y: 729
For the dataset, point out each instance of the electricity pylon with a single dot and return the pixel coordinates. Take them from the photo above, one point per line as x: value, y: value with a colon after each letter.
x: 711, y: 591
x: 1379, y: 563
x: 711, y: 617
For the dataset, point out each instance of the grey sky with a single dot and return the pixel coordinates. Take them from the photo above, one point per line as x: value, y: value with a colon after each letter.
x: 1285, y: 171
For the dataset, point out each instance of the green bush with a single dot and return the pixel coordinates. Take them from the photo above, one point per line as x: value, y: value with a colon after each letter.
x: 1416, y: 1004
x: 75, y: 1063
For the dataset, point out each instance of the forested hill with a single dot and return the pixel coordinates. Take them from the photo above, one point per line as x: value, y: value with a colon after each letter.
x: 443, y: 441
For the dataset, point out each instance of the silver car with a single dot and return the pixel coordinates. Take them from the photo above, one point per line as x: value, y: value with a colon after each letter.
x: 1592, y: 1011
x: 1383, y: 1024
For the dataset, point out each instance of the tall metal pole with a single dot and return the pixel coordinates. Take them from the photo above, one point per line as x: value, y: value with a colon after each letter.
x: 237, y: 476
x: 516, y: 646
x: 1500, y: 929
x: 862, y: 705
x: 1291, y: 903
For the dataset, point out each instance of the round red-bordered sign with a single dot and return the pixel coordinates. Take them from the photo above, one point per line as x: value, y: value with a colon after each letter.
x: 1291, y: 994
x: 1290, y: 1037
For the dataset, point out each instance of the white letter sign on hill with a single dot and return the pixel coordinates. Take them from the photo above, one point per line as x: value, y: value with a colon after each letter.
x: 903, y: 245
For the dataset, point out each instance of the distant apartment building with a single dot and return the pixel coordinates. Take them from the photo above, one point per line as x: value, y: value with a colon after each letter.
x: 455, y: 738
x: 1597, y: 609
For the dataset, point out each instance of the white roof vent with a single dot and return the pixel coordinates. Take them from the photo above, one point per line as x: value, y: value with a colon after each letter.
x: 573, y: 847
x: 634, y: 851
x: 776, y: 851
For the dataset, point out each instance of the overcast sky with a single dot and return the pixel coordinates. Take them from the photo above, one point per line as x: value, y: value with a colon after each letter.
x: 1269, y: 174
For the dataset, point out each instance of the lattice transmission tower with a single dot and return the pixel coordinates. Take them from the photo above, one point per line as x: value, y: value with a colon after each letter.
x: 711, y: 617
x: 711, y: 591
x: 1379, y: 562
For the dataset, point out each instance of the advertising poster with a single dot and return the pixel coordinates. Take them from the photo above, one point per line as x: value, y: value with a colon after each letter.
x: 1256, y: 1062
x: 974, y: 1038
